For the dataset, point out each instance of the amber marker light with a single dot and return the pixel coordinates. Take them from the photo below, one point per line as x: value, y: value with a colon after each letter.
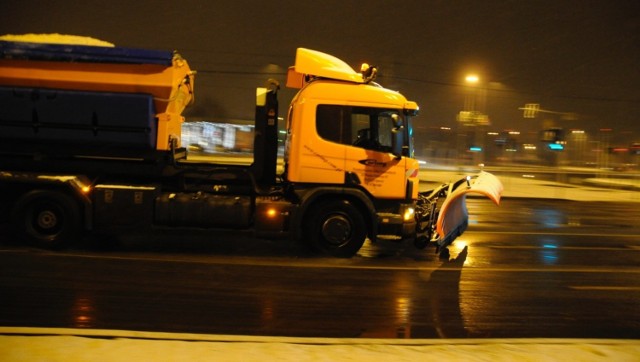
x: 409, y: 214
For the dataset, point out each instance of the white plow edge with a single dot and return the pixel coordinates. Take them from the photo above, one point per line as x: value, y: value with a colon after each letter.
x: 453, y: 213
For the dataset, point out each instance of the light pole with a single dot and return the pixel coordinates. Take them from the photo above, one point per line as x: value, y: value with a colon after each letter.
x: 472, y: 81
x: 472, y: 116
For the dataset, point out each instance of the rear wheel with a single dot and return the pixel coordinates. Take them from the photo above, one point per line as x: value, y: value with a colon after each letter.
x: 48, y: 219
x: 337, y: 228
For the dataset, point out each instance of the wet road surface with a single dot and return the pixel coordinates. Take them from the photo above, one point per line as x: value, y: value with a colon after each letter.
x: 528, y: 268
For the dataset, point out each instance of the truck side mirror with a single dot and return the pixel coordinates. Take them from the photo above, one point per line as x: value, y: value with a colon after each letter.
x: 396, y: 121
x: 397, y: 137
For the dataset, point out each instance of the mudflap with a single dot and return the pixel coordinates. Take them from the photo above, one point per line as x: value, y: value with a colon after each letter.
x: 453, y: 217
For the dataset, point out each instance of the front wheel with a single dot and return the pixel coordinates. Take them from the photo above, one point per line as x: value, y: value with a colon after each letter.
x: 48, y: 219
x: 337, y: 228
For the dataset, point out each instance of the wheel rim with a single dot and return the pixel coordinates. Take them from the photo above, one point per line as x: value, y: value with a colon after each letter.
x: 337, y: 230
x: 46, y: 221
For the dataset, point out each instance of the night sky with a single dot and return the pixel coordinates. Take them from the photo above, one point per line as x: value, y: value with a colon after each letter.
x: 577, y: 56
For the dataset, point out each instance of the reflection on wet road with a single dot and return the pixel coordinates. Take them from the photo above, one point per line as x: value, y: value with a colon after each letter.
x: 526, y: 269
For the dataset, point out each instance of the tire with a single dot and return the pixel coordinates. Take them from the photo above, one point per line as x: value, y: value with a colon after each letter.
x: 337, y: 228
x: 46, y: 219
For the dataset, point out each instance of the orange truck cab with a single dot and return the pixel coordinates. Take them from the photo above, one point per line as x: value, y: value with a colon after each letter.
x: 344, y: 130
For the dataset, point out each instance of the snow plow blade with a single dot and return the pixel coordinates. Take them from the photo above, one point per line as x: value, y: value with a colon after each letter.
x: 453, y: 216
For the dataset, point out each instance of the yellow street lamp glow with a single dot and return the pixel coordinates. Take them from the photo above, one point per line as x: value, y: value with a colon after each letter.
x: 472, y: 78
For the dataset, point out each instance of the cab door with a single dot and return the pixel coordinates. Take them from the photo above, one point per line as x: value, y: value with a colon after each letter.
x: 368, y: 154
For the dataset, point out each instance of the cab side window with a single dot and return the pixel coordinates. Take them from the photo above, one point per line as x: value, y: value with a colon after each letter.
x: 331, y: 124
x: 364, y: 127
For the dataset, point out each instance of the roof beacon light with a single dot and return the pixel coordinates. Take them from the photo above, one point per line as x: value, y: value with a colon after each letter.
x: 368, y: 72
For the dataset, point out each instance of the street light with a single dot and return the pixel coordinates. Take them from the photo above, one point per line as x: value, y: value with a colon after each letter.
x: 472, y: 79
x: 472, y: 116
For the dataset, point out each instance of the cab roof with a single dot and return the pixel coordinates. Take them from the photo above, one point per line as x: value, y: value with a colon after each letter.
x: 317, y: 64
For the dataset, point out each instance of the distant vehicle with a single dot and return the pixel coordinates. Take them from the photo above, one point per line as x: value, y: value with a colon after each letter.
x: 90, y: 141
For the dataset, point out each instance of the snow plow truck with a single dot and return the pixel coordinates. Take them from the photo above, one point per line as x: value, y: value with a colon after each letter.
x: 90, y: 142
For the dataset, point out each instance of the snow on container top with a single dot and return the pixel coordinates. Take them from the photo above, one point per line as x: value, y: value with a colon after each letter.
x: 83, y: 53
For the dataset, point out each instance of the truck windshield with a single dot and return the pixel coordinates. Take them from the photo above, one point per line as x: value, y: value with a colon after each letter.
x: 365, y: 127
x: 409, y: 150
